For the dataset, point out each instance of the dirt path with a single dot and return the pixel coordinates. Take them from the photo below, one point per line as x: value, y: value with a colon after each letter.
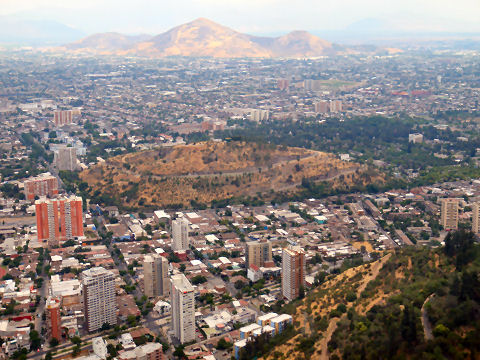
x: 427, y: 326
x: 332, y: 326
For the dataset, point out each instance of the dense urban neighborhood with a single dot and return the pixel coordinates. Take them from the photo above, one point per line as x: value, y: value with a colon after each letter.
x: 101, y: 261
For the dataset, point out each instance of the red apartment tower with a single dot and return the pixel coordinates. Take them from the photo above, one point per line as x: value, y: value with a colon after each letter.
x: 42, y: 185
x: 59, y: 219
x: 62, y: 117
x: 54, y: 319
x: 283, y: 84
x: 293, y: 271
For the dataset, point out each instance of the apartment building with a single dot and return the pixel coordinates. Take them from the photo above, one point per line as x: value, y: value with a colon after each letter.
x: 99, y: 298
x: 183, y: 308
x: 258, y: 253
x: 180, y: 239
x: 59, y: 219
x: 41, y: 185
x: 54, y: 322
x: 65, y: 158
x: 476, y: 218
x: 293, y: 271
x: 148, y: 351
x: 155, y: 275
x: 449, y: 213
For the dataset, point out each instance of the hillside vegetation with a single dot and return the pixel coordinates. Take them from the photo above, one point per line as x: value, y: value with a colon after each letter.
x: 415, y: 303
x: 212, y: 172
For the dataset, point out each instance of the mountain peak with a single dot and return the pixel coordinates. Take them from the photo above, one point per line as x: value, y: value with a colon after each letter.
x: 206, y: 38
x: 203, y: 21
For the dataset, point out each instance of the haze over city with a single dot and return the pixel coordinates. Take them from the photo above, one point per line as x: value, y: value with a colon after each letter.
x: 252, y: 16
x: 239, y: 179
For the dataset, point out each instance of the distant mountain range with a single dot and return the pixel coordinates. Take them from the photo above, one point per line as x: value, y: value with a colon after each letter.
x: 203, y: 37
x: 35, y: 32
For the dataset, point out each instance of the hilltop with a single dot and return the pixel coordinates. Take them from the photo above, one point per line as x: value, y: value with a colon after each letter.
x: 203, y: 173
x: 203, y: 37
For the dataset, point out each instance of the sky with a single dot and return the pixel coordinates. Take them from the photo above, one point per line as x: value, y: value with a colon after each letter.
x: 266, y: 17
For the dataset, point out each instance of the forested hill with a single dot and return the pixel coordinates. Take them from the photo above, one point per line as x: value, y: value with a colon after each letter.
x: 378, y: 138
x: 415, y: 303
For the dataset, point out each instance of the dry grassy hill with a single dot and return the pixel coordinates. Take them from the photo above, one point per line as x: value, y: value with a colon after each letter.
x: 212, y: 171
x: 409, y: 304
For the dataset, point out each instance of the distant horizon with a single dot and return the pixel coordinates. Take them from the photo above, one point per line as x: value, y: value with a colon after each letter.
x: 367, y: 31
x: 251, y: 16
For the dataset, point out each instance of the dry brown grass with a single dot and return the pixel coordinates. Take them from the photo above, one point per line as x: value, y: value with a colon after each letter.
x: 212, y: 171
x: 323, y: 305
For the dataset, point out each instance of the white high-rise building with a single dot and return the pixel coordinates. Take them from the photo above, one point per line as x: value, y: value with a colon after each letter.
x: 65, y: 158
x: 449, y: 218
x: 155, y: 275
x: 183, y: 308
x: 293, y: 271
x: 180, y: 234
x: 99, y: 298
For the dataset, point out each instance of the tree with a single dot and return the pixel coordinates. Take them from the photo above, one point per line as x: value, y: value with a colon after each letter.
x: 199, y: 279
x: 76, y: 350
x: 179, y: 352
x: 223, y: 344
x: 35, y: 340
x: 301, y: 292
x: 76, y: 340
x: 239, y: 284
x: 105, y: 326
x: 132, y: 320
x: 54, y: 342
x: 112, y: 350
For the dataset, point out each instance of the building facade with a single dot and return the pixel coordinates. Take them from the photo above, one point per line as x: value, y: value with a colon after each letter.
x: 293, y: 271
x: 62, y: 117
x: 148, y: 351
x: 155, y: 275
x: 476, y: 218
x: 321, y: 107
x: 336, y: 106
x: 59, y: 219
x: 42, y: 185
x: 183, y: 308
x: 65, y: 117
x: 65, y: 158
x: 99, y: 298
x: 449, y: 210
x: 180, y: 240
x: 54, y: 321
x: 258, y: 253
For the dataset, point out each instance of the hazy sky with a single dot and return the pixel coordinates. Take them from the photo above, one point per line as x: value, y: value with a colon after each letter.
x: 253, y: 16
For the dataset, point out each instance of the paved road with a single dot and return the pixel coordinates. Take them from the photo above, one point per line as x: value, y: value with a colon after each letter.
x: 41, y: 354
x: 41, y: 306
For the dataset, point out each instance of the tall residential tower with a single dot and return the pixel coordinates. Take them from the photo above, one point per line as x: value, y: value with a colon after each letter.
x: 258, y: 253
x: 293, y: 271
x: 183, y: 308
x: 155, y: 275
x: 180, y: 234
x: 449, y: 218
x: 99, y: 298
x: 59, y: 219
